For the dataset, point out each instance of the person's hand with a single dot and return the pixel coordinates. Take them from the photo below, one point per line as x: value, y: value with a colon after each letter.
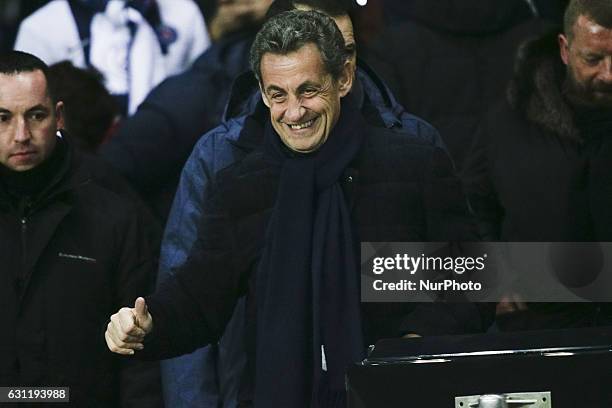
x: 128, y: 328
x: 511, y: 303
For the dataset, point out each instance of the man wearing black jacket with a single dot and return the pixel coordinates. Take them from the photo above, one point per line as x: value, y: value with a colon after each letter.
x: 539, y: 169
x: 73, y: 248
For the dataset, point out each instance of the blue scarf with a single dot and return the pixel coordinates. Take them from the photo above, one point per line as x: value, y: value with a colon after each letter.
x: 307, y: 287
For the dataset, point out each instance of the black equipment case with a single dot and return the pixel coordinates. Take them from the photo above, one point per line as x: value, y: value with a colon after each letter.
x: 543, y: 369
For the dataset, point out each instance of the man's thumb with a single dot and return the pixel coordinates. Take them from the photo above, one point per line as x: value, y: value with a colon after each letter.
x: 140, y: 307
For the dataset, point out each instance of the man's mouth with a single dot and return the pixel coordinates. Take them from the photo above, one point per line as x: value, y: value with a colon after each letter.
x: 23, y: 155
x: 303, y: 125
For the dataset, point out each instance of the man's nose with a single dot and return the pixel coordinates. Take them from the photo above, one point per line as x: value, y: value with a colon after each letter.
x: 605, y: 74
x: 22, y: 131
x: 295, y: 111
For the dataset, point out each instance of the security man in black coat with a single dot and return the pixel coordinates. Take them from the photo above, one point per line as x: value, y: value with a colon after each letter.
x: 73, y: 248
x: 539, y: 169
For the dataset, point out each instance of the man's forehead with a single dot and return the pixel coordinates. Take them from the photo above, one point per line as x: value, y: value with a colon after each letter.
x: 587, y: 29
x: 32, y: 81
x: 302, y: 65
x: 21, y: 88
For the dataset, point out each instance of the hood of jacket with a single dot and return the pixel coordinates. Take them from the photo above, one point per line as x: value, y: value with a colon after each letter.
x: 467, y: 17
x: 536, y: 90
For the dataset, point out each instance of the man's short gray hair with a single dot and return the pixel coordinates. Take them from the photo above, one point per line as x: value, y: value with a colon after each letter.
x: 289, y: 31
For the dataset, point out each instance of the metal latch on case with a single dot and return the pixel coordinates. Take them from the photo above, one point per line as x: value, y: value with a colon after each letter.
x: 513, y: 400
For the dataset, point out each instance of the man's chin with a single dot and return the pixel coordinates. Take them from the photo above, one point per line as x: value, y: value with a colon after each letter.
x: 602, y: 100
x: 22, y: 168
x: 22, y: 165
x: 597, y: 100
x: 586, y: 97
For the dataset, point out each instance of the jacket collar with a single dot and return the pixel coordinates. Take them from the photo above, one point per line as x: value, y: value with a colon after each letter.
x: 71, y: 175
x: 373, y: 84
x: 536, y: 91
x: 244, y: 96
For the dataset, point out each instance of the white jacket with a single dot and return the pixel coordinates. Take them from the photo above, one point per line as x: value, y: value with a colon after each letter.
x: 51, y: 34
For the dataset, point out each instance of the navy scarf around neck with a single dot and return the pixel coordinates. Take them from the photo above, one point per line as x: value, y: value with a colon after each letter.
x: 308, y: 290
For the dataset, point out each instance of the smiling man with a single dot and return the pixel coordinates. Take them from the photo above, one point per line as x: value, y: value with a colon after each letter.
x: 72, y: 251
x: 304, y: 100
x: 210, y: 377
x: 317, y: 174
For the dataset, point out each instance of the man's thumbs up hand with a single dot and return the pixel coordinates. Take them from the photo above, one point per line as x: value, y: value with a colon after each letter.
x: 142, y: 316
x: 128, y: 328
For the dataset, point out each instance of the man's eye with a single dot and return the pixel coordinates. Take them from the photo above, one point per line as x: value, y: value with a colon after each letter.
x: 277, y: 97
x: 592, y: 60
x: 310, y: 92
x: 38, y: 116
x: 4, y: 118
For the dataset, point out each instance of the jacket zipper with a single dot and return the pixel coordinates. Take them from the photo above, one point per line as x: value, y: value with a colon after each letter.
x: 25, y: 212
x: 24, y: 231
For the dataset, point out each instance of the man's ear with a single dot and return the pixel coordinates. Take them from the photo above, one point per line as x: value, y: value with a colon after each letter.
x: 59, y: 115
x: 264, y: 97
x: 345, y: 81
x: 564, y: 48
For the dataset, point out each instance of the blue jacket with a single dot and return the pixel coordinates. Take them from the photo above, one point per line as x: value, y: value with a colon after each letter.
x: 210, y: 376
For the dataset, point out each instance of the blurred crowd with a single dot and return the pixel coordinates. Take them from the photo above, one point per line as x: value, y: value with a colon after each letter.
x: 445, y: 62
x: 143, y: 80
x: 467, y: 47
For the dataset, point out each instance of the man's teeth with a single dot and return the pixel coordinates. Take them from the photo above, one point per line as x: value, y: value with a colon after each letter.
x: 302, y: 125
